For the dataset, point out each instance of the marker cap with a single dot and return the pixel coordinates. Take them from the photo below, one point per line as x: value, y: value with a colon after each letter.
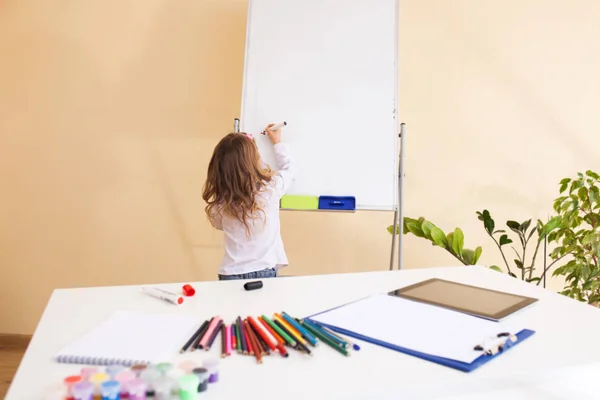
x: 201, y: 373
x: 87, y: 372
x: 212, y: 364
x: 70, y: 381
x: 188, y: 290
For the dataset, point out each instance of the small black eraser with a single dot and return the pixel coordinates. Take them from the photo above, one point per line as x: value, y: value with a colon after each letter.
x: 253, y: 285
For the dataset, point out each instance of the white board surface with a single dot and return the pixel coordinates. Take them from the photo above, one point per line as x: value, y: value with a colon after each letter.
x: 329, y: 69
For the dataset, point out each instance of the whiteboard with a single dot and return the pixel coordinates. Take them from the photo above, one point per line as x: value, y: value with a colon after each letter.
x: 329, y: 69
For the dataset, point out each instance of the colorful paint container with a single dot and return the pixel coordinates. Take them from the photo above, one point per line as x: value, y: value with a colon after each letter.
x: 212, y: 365
x: 83, y: 390
x: 113, y: 370
x: 203, y: 375
x: 188, y: 366
x: 124, y: 377
x: 188, y: 387
x: 69, y: 382
x: 137, y: 389
x: 138, y: 368
x: 87, y: 372
x: 110, y: 390
x: 163, y: 388
x: 164, y: 367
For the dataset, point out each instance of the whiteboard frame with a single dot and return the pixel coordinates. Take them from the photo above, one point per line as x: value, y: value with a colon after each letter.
x: 396, y: 202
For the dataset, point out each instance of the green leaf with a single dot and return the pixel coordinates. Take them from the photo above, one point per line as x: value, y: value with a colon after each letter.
x: 594, y: 194
x: 390, y: 229
x: 532, y: 280
x: 426, y: 227
x: 504, y: 239
x: 551, y: 225
x: 438, y: 237
x: 563, y: 187
x: 496, y: 268
x: 582, y: 193
x: 467, y: 256
x: 477, y: 254
x: 525, y: 225
x: 565, y: 180
x: 513, y: 225
x: 488, y: 222
x: 592, y: 174
x: 512, y: 274
x: 519, y: 264
x: 458, y: 241
x: 414, y: 227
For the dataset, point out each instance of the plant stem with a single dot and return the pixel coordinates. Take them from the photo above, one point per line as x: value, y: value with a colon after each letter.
x: 534, y: 256
x: 501, y: 252
x: 551, y: 264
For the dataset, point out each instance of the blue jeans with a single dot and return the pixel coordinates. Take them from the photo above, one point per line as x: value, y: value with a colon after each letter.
x: 265, y: 273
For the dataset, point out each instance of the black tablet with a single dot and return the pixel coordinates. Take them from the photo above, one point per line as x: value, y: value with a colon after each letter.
x: 481, y: 302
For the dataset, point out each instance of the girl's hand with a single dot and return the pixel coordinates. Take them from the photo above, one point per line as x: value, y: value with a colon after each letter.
x: 274, y: 135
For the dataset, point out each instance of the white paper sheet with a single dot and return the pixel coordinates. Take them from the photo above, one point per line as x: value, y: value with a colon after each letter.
x: 130, y: 337
x: 416, y: 326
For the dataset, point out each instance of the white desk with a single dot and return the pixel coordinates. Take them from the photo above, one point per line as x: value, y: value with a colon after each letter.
x: 556, y: 363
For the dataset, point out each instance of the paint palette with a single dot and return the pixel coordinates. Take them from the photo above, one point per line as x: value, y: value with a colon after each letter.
x: 163, y: 381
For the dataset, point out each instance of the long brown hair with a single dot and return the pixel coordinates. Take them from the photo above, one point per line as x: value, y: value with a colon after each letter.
x: 235, y: 176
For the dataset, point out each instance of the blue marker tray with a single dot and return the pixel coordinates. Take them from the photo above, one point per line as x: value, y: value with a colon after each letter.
x: 346, y: 203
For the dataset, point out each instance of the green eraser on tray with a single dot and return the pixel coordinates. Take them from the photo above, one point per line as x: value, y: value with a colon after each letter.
x: 300, y: 202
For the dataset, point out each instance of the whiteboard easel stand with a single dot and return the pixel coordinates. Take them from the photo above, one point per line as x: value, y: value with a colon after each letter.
x: 399, y: 212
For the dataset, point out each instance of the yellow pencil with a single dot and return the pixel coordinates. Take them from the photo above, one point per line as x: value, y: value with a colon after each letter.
x: 291, y: 329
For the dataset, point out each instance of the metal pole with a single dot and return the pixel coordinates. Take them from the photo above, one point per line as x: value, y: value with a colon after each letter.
x: 394, y: 239
x: 401, y: 194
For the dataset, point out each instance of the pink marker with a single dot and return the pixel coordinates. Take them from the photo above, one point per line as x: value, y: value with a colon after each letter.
x: 209, y: 332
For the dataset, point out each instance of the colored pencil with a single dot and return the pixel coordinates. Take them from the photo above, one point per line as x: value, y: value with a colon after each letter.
x: 196, y: 344
x: 278, y: 338
x: 214, y: 335
x: 264, y: 349
x: 305, y: 334
x: 243, y: 336
x: 228, y: 340
x: 281, y: 333
x: 317, y: 332
x: 193, y: 338
x: 262, y: 332
x: 257, y: 353
x: 250, y: 343
x: 299, y: 345
x: 233, y: 333
x: 224, y: 341
x: 289, y: 328
x: 238, y: 337
x: 347, y: 343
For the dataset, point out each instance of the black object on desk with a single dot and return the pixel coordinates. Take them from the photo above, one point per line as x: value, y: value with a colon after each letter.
x: 253, y: 285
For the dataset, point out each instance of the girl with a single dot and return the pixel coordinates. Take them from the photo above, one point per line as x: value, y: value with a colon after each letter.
x: 242, y: 197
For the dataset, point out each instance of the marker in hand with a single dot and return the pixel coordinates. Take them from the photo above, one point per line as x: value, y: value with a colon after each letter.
x: 275, y: 127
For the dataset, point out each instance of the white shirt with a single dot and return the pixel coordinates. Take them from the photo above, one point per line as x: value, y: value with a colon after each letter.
x: 263, y: 249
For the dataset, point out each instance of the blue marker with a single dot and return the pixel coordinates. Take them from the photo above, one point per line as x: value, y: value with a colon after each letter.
x: 110, y: 390
x: 300, y: 329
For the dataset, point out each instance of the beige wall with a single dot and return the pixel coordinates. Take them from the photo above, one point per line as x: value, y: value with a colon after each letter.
x: 109, y: 111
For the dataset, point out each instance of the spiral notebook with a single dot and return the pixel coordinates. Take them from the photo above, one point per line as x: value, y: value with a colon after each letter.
x: 129, y: 338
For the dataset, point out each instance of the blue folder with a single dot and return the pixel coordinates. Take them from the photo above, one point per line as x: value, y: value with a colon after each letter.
x: 459, y: 365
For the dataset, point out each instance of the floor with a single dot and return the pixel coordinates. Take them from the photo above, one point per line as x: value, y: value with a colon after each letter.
x: 11, y: 351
